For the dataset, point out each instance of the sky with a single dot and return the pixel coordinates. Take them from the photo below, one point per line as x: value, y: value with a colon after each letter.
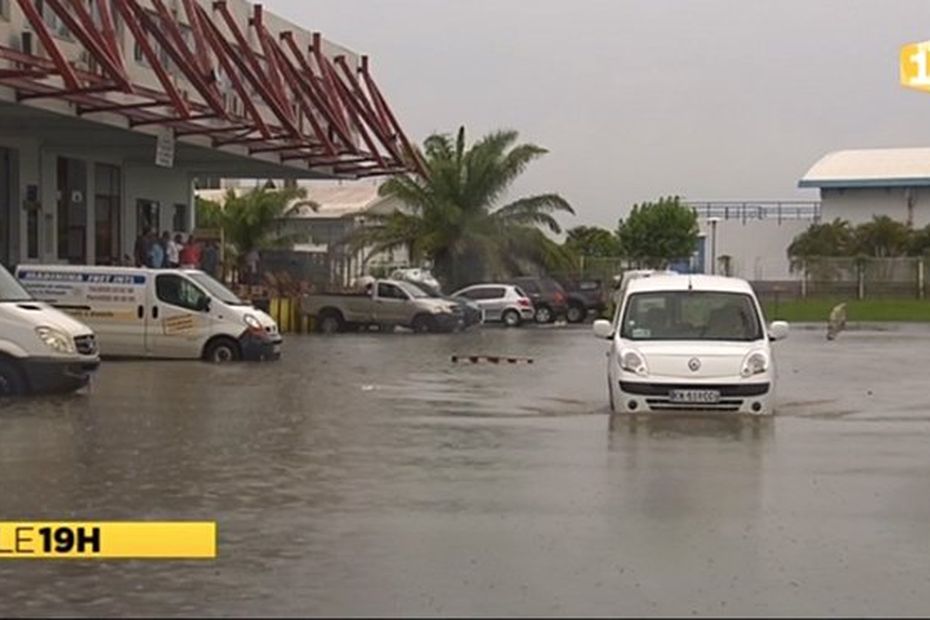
x: 637, y: 99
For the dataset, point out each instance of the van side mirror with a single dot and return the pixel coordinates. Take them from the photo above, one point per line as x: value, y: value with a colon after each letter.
x: 603, y: 329
x: 778, y: 330
x: 203, y: 304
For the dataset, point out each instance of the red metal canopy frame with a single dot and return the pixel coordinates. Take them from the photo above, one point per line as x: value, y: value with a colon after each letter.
x: 321, y: 112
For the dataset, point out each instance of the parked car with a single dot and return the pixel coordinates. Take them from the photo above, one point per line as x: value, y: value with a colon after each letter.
x: 584, y: 297
x: 548, y: 297
x: 690, y: 343
x: 503, y: 303
x: 471, y: 312
x: 385, y: 303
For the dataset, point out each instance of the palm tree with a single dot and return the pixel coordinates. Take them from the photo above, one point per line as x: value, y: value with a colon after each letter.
x: 254, y: 220
x: 452, y: 215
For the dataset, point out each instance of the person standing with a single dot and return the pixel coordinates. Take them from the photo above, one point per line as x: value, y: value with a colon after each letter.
x: 251, y: 262
x: 190, y: 254
x: 142, y: 247
x: 210, y: 260
x: 173, y: 251
x: 156, y: 253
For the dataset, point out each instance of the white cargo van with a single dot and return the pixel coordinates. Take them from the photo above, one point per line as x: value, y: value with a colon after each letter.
x: 41, y: 348
x: 158, y: 313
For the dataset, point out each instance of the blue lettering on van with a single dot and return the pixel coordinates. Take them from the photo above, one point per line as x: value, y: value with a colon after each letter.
x: 93, y: 278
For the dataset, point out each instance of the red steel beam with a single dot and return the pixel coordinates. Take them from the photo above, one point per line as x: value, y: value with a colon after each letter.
x: 175, y: 46
x: 252, y: 70
x: 167, y: 121
x: 341, y: 90
x: 216, y: 41
x: 117, y: 107
x: 299, y: 94
x: 271, y: 61
x: 125, y: 8
x: 212, y: 130
x: 413, y: 153
x: 84, y: 29
x: 110, y: 36
x: 200, y: 43
x: 316, y: 49
x: 363, y: 108
x: 38, y: 25
x: 305, y: 75
x: 382, y: 112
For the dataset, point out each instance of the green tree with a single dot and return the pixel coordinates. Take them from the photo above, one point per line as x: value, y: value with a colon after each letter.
x: 920, y: 242
x: 592, y: 241
x: 883, y: 237
x: 253, y: 220
x: 836, y: 238
x: 453, y: 218
x: 657, y: 233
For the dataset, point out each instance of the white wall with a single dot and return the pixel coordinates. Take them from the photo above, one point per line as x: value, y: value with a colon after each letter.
x: 858, y: 205
x: 758, y: 247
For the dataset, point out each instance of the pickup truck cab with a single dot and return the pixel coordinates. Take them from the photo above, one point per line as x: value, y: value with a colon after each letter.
x: 681, y: 343
x: 385, y: 303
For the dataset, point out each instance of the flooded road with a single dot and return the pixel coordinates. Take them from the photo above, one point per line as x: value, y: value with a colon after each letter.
x: 369, y: 475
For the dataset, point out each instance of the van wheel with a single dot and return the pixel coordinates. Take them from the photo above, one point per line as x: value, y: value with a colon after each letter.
x: 222, y: 350
x: 512, y: 318
x: 331, y: 323
x: 576, y: 313
x: 423, y: 324
x: 12, y: 382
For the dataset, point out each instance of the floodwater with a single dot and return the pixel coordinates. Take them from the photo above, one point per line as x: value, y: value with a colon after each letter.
x: 369, y: 475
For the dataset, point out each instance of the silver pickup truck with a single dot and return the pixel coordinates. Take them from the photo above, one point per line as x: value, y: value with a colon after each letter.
x: 385, y: 303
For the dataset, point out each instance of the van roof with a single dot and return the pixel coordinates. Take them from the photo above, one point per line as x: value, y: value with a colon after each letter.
x: 101, y: 268
x: 694, y: 282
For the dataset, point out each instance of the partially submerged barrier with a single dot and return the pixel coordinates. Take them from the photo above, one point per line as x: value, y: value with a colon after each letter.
x: 492, y: 359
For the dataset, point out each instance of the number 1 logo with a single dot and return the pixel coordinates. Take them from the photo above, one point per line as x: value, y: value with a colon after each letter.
x: 915, y: 66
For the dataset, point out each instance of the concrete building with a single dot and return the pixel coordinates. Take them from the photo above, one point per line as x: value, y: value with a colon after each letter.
x: 109, y: 110
x: 750, y: 239
x: 323, y: 222
x: 857, y: 185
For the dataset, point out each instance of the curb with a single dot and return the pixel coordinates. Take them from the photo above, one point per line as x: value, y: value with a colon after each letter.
x: 492, y: 359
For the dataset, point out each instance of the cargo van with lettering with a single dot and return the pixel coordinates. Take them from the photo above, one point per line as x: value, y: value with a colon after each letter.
x: 42, y: 350
x: 156, y: 313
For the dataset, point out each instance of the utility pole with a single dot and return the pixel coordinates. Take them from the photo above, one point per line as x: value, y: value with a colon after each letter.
x: 713, y: 243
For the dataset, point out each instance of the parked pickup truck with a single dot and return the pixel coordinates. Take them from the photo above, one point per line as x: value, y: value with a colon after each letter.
x: 385, y: 303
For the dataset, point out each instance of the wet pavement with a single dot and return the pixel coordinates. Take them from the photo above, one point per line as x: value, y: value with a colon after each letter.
x: 369, y: 475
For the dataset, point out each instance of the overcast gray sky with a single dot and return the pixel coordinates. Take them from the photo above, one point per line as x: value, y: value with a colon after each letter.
x: 715, y: 99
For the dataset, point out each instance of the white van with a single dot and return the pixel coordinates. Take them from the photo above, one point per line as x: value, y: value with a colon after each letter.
x: 158, y: 313
x: 690, y: 343
x: 41, y: 348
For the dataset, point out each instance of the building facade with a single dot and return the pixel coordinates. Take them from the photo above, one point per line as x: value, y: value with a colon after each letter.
x: 857, y: 185
x: 111, y: 109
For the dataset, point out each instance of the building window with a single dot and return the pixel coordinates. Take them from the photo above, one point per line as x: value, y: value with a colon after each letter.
x: 179, y: 221
x: 107, y: 202
x: 5, y: 9
x: 52, y: 20
x: 208, y: 183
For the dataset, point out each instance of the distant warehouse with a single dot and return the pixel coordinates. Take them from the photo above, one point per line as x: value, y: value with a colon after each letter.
x: 860, y: 184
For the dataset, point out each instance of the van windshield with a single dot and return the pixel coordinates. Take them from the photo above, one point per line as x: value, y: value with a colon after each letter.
x: 216, y: 290
x: 11, y: 290
x: 691, y: 315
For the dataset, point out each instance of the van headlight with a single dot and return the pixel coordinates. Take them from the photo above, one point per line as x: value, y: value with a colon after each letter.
x: 754, y: 364
x: 56, y: 340
x: 633, y: 361
x: 252, y: 321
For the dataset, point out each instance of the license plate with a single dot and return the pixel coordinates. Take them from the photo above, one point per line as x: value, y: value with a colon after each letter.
x: 703, y: 397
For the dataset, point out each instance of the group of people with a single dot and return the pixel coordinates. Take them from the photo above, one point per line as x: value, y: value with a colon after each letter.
x: 166, y: 253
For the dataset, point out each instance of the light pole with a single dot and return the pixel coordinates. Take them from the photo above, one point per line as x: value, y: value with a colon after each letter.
x: 713, y: 244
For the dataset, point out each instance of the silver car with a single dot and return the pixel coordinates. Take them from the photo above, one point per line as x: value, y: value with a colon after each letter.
x: 505, y: 303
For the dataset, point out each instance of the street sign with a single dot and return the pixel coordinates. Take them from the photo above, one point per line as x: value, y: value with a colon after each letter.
x: 164, y: 148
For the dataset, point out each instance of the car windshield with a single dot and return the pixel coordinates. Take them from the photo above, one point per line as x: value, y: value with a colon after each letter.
x: 426, y: 288
x: 414, y: 290
x: 691, y: 315
x: 216, y: 290
x: 11, y: 290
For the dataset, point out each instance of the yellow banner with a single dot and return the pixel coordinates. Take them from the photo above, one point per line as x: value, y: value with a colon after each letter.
x: 92, y: 540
